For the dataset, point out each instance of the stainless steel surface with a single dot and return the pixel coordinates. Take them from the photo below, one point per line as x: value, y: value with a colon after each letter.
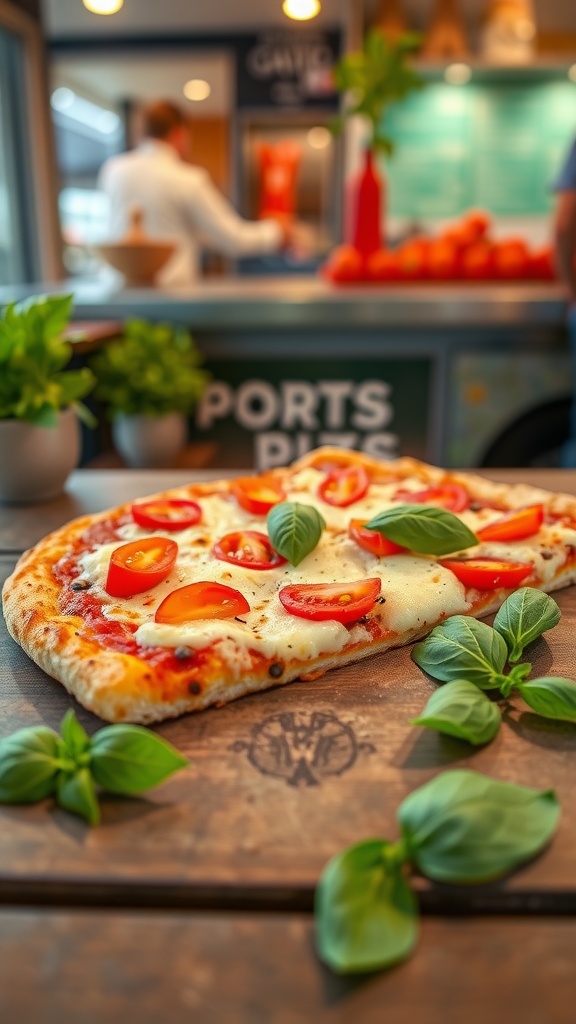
x: 285, y: 302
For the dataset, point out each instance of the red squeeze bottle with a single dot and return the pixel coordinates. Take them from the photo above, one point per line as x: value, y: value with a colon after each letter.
x: 366, y: 208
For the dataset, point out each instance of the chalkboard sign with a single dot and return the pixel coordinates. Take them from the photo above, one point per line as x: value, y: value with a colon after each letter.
x: 497, y: 146
x: 287, y: 68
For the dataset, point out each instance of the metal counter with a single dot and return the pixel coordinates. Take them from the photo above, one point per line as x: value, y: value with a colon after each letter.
x: 310, y: 302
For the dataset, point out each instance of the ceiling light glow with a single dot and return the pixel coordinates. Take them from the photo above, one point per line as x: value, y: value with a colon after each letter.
x: 318, y: 137
x: 103, y: 6
x: 197, y: 89
x: 458, y: 74
x: 301, y: 10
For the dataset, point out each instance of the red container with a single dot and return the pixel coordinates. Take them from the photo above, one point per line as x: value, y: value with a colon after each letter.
x: 365, y: 202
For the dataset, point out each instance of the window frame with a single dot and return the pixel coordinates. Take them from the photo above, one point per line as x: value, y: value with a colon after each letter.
x: 35, y: 146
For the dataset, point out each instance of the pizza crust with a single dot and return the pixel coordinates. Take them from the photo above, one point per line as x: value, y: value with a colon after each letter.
x: 122, y: 687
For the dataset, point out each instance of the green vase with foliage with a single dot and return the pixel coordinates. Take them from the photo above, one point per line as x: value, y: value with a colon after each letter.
x: 372, y: 79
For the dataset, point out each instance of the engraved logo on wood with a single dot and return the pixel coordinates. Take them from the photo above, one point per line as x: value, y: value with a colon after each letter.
x: 302, y: 747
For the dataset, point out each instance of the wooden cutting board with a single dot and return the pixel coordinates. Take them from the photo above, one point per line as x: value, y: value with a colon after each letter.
x: 279, y: 782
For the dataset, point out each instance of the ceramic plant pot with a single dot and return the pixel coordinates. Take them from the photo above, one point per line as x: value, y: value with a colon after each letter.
x: 150, y: 442
x: 35, y: 462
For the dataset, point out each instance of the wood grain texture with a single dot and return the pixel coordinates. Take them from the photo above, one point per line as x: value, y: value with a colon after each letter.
x: 85, y: 968
x: 278, y: 783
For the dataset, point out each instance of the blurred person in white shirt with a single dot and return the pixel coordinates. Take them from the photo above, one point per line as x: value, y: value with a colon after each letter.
x: 179, y: 201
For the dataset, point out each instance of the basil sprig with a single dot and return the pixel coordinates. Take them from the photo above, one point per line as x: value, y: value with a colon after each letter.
x: 294, y: 529
x: 424, y: 529
x: 462, y: 648
x: 36, y: 763
x: 460, y: 827
x: 460, y: 709
x: 523, y: 617
x: 465, y: 827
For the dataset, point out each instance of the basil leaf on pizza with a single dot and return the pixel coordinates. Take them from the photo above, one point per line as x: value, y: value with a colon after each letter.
x: 462, y: 710
x: 463, y: 648
x: 294, y: 529
x: 424, y: 528
x: 128, y: 759
x: 523, y: 617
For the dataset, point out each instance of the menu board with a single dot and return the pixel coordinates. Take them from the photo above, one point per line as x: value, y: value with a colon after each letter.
x: 498, y: 146
x: 267, y: 412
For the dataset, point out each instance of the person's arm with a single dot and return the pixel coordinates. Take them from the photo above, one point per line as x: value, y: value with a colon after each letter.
x: 565, y: 240
x: 220, y: 225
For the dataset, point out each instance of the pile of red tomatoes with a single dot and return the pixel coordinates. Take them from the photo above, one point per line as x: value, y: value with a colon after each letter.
x: 463, y: 252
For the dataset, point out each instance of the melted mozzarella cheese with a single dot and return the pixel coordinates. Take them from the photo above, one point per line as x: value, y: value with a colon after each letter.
x: 416, y: 589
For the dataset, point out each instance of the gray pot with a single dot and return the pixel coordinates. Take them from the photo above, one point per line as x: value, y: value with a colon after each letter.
x: 35, y: 462
x: 150, y: 442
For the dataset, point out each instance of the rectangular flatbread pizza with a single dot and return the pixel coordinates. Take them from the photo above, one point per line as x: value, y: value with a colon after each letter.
x: 208, y: 592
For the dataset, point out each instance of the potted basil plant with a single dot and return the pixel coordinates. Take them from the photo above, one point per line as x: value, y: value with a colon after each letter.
x: 149, y: 380
x: 39, y: 399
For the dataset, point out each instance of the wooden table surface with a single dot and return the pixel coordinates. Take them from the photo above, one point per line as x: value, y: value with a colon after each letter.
x: 216, y: 869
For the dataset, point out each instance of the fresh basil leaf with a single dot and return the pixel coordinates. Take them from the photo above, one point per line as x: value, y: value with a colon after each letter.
x: 424, y: 528
x: 463, y: 648
x: 465, y: 827
x: 460, y: 709
x: 514, y: 677
x: 523, y: 617
x: 76, y: 739
x: 29, y: 765
x: 294, y: 529
x: 551, y: 697
x: 128, y: 759
x: 366, y: 913
x: 76, y: 793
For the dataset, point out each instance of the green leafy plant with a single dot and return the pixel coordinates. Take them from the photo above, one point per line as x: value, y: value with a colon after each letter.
x: 34, y: 384
x: 462, y: 827
x: 374, y: 78
x: 294, y: 529
x: 424, y: 528
x: 153, y: 370
x: 36, y: 763
x: 470, y: 656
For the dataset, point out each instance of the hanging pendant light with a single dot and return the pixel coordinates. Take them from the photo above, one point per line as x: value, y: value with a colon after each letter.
x: 103, y: 6
x: 301, y: 10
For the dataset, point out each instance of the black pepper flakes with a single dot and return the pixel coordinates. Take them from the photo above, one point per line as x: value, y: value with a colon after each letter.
x: 182, y: 653
x: 80, y: 585
x: 547, y: 555
x: 194, y: 688
x: 276, y: 669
